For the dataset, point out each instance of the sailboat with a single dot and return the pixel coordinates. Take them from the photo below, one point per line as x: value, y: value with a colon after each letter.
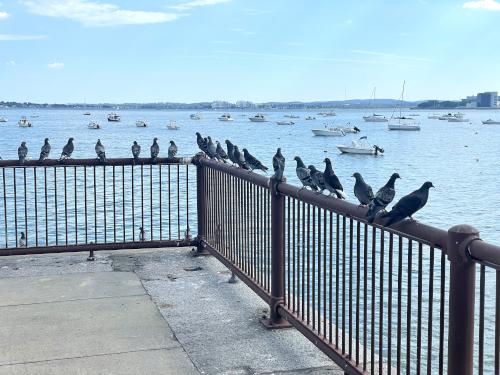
x: 374, y: 117
x: 401, y: 122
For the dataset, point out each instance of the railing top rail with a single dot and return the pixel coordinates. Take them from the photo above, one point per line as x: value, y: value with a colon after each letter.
x: 485, y: 253
x: 93, y: 162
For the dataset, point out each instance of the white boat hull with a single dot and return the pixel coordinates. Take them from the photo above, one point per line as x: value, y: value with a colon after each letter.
x: 491, y: 122
x: 285, y: 123
x: 257, y: 119
x: 141, y: 124
x: 355, y: 150
x: 458, y: 120
x: 225, y: 119
x: 404, y: 127
x: 328, y: 133
x: 374, y: 119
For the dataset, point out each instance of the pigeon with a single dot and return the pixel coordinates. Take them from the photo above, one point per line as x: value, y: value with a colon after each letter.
x: 201, y: 142
x: 220, y: 151
x: 22, y: 152
x: 252, y: 162
x: 332, y: 182
x: 318, y: 178
x: 408, y: 205
x: 211, y: 149
x: 383, y: 197
x: 278, y: 165
x: 172, y: 149
x: 304, y: 174
x: 22, y: 240
x: 45, y: 151
x: 155, y: 150
x: 99, y: 150
x: 67, y: 150
x: 136, y: 151
x: 230, y: 152
x: 240, y: 159
x: 362, y: 190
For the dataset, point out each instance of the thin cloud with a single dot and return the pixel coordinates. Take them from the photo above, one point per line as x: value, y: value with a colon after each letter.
x: 56, y: 65
x: 94, y: 14
x: 197, y: 3
x: 482, y: 4
x: 391, y: 55
x: 242, y: 31
x: 221, y: 42
x: 4, y: 15
x: 14, y: 37
x: 10, y: 63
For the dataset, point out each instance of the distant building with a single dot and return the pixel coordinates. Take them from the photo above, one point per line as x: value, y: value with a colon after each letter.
x: 481, y: 100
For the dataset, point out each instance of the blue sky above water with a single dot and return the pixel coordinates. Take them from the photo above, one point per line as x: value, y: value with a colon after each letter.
x: 203, y: 50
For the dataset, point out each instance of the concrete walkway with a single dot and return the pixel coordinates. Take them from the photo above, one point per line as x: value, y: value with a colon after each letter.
x: 140, y: 312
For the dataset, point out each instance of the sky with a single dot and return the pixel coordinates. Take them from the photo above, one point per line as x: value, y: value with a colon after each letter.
x: 67, y: 51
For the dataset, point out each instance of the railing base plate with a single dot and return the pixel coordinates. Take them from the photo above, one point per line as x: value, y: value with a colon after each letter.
x: 196, y: 252
x: 268, y: 324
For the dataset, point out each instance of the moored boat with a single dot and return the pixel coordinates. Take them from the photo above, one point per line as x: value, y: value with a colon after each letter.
x: 285, y: 123
x: 360, y: 147
x: 434, y: 116
x: 3, y: 119
x: 195, y: 116
x: 328, y: 132
x: 292, y: 116
x: 446, y: 117
x: 113, y: 117
x: 225, y: 117
x: 403, y: 122
x: 259, y: 117
x: 141, y: 124
x: 173, y: 126
x: 93, y: 125
x: 348, y: 129
x: 310, y: 118
x: 491, y: 122
x: 375, y: 118
x: 24, y: 123
x: 86, y: 114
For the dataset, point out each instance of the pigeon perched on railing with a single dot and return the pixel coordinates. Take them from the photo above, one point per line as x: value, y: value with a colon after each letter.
x: 172, y: 149
x: 45, y: 151
x: 278, y: 165
x: 155, y: 150
x: 221, y: 152
x: 22, y: 152
x: 201, y: 142
x: 100, y: 152
x: 384, y: 196
x: 136, y: 151
x: 230, y: 152
x: 253, y: 162
x: 332, y: 182
x: 304, y: 174
x: 317, y: 177
x: 22, y: 240
x: 211, y: 149
x: 408, y: 205
x: 240, y: 159
x: 362, y: 190
x: 67, y: 150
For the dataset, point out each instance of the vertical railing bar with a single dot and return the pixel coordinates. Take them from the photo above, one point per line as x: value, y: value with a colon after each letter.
x: 351, y: 235
x: 408, y: 310
x: 313, y: 283
x: 308, y: 268
x: 481, y: 320
x: 5, y: 209
x: 65, y: 206
x: 289, y: 256
x: 95, y: 205
x: 104, y: 203
x: 419, y: 310
x: 430, y: 316
x: 318, y: 310
x: 365, y: 294
x: 337, y: 269
x: 358, y: 281
x: 159, y: 200
x: 142, y: 198
x: 75, y: 198
x: 55, y: 206
x: 36, y: 205
x: 25, y: 206
x: 151, y: 225
x: 343, y: 283
x: 15, y: 206
x: 46, y: 207
x: 381, y: 306
x: 187, y: 196
x: 400, y: 285
x: 114, y: 204
x: 123, y: 204
x: 303, y: 259
x: 389, y: 303
x: 85, y: 201
x: 372, y: 320
x: 330, y: 306
x: 169, y: 205
x: 178, y: 203
x: 497, y: 322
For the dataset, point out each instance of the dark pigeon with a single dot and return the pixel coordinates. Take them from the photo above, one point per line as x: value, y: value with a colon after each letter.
x: 67, y: 150
x: 383, y: 197
x: 100, y: 152
x: 408, y: 205
x: 278, y: 165
x: 201, y: 142
x: 45, y: 151
x: 211, y: 149
x: 172, y: 149
x: 240, y: 158
x: 304, y: 174
x: 318, y: 178
x: 332, y: 182
x: 136, y: 151
x: 155, y: 150
x: 22, y: 152
x: 362, y: 190
x: 253, y: 162
x: 22, y: 240
x: 230, y: 152
x: 221, y: 152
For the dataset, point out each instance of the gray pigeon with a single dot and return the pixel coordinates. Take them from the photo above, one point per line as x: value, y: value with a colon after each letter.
x: 67, y: 150
x: 304, y: 174
x: 221, y: 152
x: 211, y: 149
x: 22, y: 152
x: 45, y: 151
x: 155, y: 150
x: 100, y: 152
x: 408, y: 205
x: 362, y: 190
x: 318, y: 178
x: 332, y: 182
x: 136, y: 151
x: 172, y: 149
x: 240, y: 159
x: 278, y: 165
x: 22, y: 240
x: 201, y: 142
x: 252, y: 161
x: 383, y: 197
x: 230, y: 152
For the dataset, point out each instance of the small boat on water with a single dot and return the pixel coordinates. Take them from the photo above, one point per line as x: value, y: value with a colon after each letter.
x: 292, y: 116
x: 328, y: 132
x: 447, y: 116
x: 259, y: 117
x: 3, y: 119
x: 403, y: 122
x: 93, y: 125
x: 195, y: 116
x: 285, y: 123
x: 141, y: 124
x: 86, y: 114
x: 360, y: 147
x: 404, y: 126
x: 326, y: 114
x: 173, y: 126
x: 491, y: 122
x: 35, y: 116
x: 375, y: 118
x: 348, y: 129
x: 434, y: 116
x: 113, y: 117
x: 458, y: 117
x: 309, y: 118
x: 225, y: 117
x: 24, y: 123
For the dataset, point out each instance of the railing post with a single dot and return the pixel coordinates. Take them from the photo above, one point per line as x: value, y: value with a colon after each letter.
x: 275, y: 320
x: 201, y: 205
x: 461, y: 300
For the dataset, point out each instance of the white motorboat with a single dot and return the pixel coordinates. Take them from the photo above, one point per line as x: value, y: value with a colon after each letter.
x: 434, y: 116
x: 348, y: 129
x: 446, y: 117
x: 458, y: 119
x: 24, y: 123
x: 35, y: 116
x: 195, y: 116
x: 3, y: 119
x: 491, y: 122
x: 93, y: 125
x: 285, y: 123
x: 375, y: 118
x: 360, y: 147
x: 326, y: 114
x: 259, y: 117
x: 225, y: 117
x: 113, y: 117
x: 310, y: 118
x: 292, y: 116
x: 173, y: 126
x: 141, y: 124
x: 404, y: 126
x: 403, y: 122
x: 86, y: 114
x: 328, y: 132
